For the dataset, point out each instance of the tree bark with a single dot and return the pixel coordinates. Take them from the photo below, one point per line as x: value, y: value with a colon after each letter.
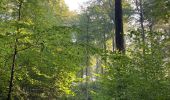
x: 119, y: 26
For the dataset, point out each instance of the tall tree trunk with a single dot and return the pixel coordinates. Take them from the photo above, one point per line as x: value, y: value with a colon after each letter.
x: 111, y: 15
x: 119, y: 40
x: 105, y: 50
x: 87, y: 56
x: 12, y: 71
x: 14, y: 54
x: 104, y: 47
x: 151, y: 36
x: 119, y: 26
x: 139, y: 7
x: 142, y: 26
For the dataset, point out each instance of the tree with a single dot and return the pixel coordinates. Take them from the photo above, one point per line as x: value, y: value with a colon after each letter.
x: 119, y: 26
x: 15, y: 51
x: 46, y: 50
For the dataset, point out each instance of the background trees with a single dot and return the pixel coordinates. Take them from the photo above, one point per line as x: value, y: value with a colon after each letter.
x: 49, y: 52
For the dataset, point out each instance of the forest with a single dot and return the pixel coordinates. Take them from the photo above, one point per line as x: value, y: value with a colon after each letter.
x: 108, y: 50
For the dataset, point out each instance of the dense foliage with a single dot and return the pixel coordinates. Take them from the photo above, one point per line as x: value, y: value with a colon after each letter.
x: 50, y: 53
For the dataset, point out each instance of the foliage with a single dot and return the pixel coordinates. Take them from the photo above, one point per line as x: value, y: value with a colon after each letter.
x: 64, y: 55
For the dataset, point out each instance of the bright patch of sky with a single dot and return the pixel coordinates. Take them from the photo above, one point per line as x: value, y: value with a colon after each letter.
x: 74, y: 5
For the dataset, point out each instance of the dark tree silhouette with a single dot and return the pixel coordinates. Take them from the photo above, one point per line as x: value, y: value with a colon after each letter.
x: 119, y: 26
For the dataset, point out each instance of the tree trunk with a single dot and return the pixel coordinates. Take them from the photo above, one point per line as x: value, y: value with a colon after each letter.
x: 111, y: 15
x: 142, y: 26
x: 119, y: 39
x: 87, y: 56
x: 105, y: 51
x: 14, y: 54
x: 119, y: 26
x: 12, y: 72
x: 139, y: 7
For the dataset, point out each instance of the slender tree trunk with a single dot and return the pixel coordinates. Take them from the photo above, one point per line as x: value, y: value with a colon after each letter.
x: 119, y: 26
x: 142, y: 26
x: 139, y: 7
x: 105, y: 50
x: 111, y: 15
x: 97, y: 66
x: 12, y: 72
x: 14, y: 54
x: 113, y: 41
x: 104, y: 45
x: 87, y: 56
x: 151, y: 35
